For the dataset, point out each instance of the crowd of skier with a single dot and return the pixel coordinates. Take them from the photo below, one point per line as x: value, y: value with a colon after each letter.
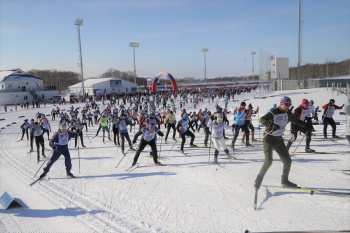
x: 146, y: 114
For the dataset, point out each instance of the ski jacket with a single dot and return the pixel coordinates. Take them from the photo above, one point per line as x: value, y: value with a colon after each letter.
x: 329, y: 109
x: 61, y: 139
x: 149, y: 135
x: 240, y: 116
x: 170, y: 118
x: 217, y: 129
x: 281, y: 118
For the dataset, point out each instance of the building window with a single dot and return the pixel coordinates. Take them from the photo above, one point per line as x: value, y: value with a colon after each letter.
x: 25, y: 97
x: 126, y: 89
x: 133, y: 89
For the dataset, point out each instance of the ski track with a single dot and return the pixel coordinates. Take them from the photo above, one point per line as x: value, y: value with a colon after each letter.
x: 52, y: 188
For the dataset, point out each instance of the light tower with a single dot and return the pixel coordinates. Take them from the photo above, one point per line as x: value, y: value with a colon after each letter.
x: 205, y: 50
x: 134, y: 45
x: 253, y: 53
x: 79, y: 22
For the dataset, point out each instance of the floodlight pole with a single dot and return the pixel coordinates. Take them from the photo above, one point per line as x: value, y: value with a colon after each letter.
x: 134, y: 45
x: 299, y: 43
x: 205, y: 50
x: 79, y: 22
x: 253, y: 53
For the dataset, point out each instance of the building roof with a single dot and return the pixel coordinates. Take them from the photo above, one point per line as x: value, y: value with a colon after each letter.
x: 89, y: 83
x: 15, y: 74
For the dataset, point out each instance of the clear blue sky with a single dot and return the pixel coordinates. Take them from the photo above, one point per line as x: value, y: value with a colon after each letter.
x: 40, y: 34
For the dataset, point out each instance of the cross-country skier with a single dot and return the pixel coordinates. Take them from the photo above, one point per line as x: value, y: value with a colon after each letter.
x: 170, y: 122
x: 275, y: 122
x: 301, y: 112
x: 122, y: 125
x: 217, y: 136
x: 59, y: 144
x: 39, y: 139
x: 149, y: 133
x: 240, y: 123
x: 183, y: 129
x: 328, y: 117
x: 24, y: 128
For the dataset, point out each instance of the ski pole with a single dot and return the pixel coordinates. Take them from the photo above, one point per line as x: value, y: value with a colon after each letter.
x: 211, y: 128
x: 88, y: 137
x: 43, y: 163
x: 160, y: 147
x: 223, y: 166
x: 79, y: 157
x: 299, y: 143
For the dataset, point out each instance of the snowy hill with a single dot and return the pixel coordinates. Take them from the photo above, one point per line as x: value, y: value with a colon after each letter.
x: 191, y: 194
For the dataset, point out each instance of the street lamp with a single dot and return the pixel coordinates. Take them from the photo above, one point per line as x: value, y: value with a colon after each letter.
x: 204, y: 50
x: 79, y: 22
x: 134, y: 45
x: 253, y: 53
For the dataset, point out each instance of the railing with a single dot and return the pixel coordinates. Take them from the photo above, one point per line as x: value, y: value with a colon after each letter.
x: 20, y: 90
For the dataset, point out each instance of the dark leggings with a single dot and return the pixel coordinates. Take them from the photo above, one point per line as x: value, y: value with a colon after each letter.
x: 326, y: 121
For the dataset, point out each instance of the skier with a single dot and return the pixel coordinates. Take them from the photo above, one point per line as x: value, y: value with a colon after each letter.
x: 24, y: 128
x: 248, y: 122
x: 275, y: 122
x: 170, y: 122
x: 79, y: 131
x: 149, y: 132
x: 328, y: 117
x: 301, y: 112
x: 104, y: 125
x: 122, y: 125
x: 39, y: 139
x: 59, y: 144
x: 183, y: 129
x: 217, y: 136
x: 240, y: 123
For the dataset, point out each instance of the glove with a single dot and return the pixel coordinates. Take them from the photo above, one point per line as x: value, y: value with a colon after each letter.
x: 160, y: 133
x: 274, y: 127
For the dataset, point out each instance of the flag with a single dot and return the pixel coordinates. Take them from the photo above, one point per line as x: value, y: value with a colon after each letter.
x: 271, y: 57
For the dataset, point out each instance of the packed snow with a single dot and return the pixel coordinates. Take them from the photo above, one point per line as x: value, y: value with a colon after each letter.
x: 191, y: 194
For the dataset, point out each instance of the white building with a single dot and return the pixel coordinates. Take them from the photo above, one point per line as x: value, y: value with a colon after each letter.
x: 102, y: 86
x: 280, y: 68
x: 18, y: 87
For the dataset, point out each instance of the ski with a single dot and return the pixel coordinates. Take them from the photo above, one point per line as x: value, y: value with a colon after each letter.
x: 319, y: 152
x: 132, y: 167
x: 311, y: 190
x: 256, y: 199
x: 163, y: 165
x: 312, y: 231
x: 40, y: 178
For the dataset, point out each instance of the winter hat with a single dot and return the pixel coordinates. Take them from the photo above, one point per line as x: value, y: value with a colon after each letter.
x: 311, y: 102
x: 286, y: 101
x: 274, y: 105
x: 185, y: 115
x: 243, y: 104
x: 304, y: 101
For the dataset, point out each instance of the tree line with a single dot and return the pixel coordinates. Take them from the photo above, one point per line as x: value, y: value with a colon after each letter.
x: 61, y: 80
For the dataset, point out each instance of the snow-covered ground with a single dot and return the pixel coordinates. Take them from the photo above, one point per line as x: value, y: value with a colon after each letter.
x: 189, y: 196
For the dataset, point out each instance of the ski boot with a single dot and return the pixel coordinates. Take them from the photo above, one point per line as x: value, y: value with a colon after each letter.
x: 69, y: 174
x: 286, y: 183
x: 309, y: 150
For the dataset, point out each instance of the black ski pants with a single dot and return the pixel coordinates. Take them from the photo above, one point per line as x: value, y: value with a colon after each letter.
x: 170, y: 126
x: 142, y: 145
x: 330, y: 121
x: 183, y: 136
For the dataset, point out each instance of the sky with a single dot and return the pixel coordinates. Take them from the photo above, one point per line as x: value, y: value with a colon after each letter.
x: 40, y: 34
